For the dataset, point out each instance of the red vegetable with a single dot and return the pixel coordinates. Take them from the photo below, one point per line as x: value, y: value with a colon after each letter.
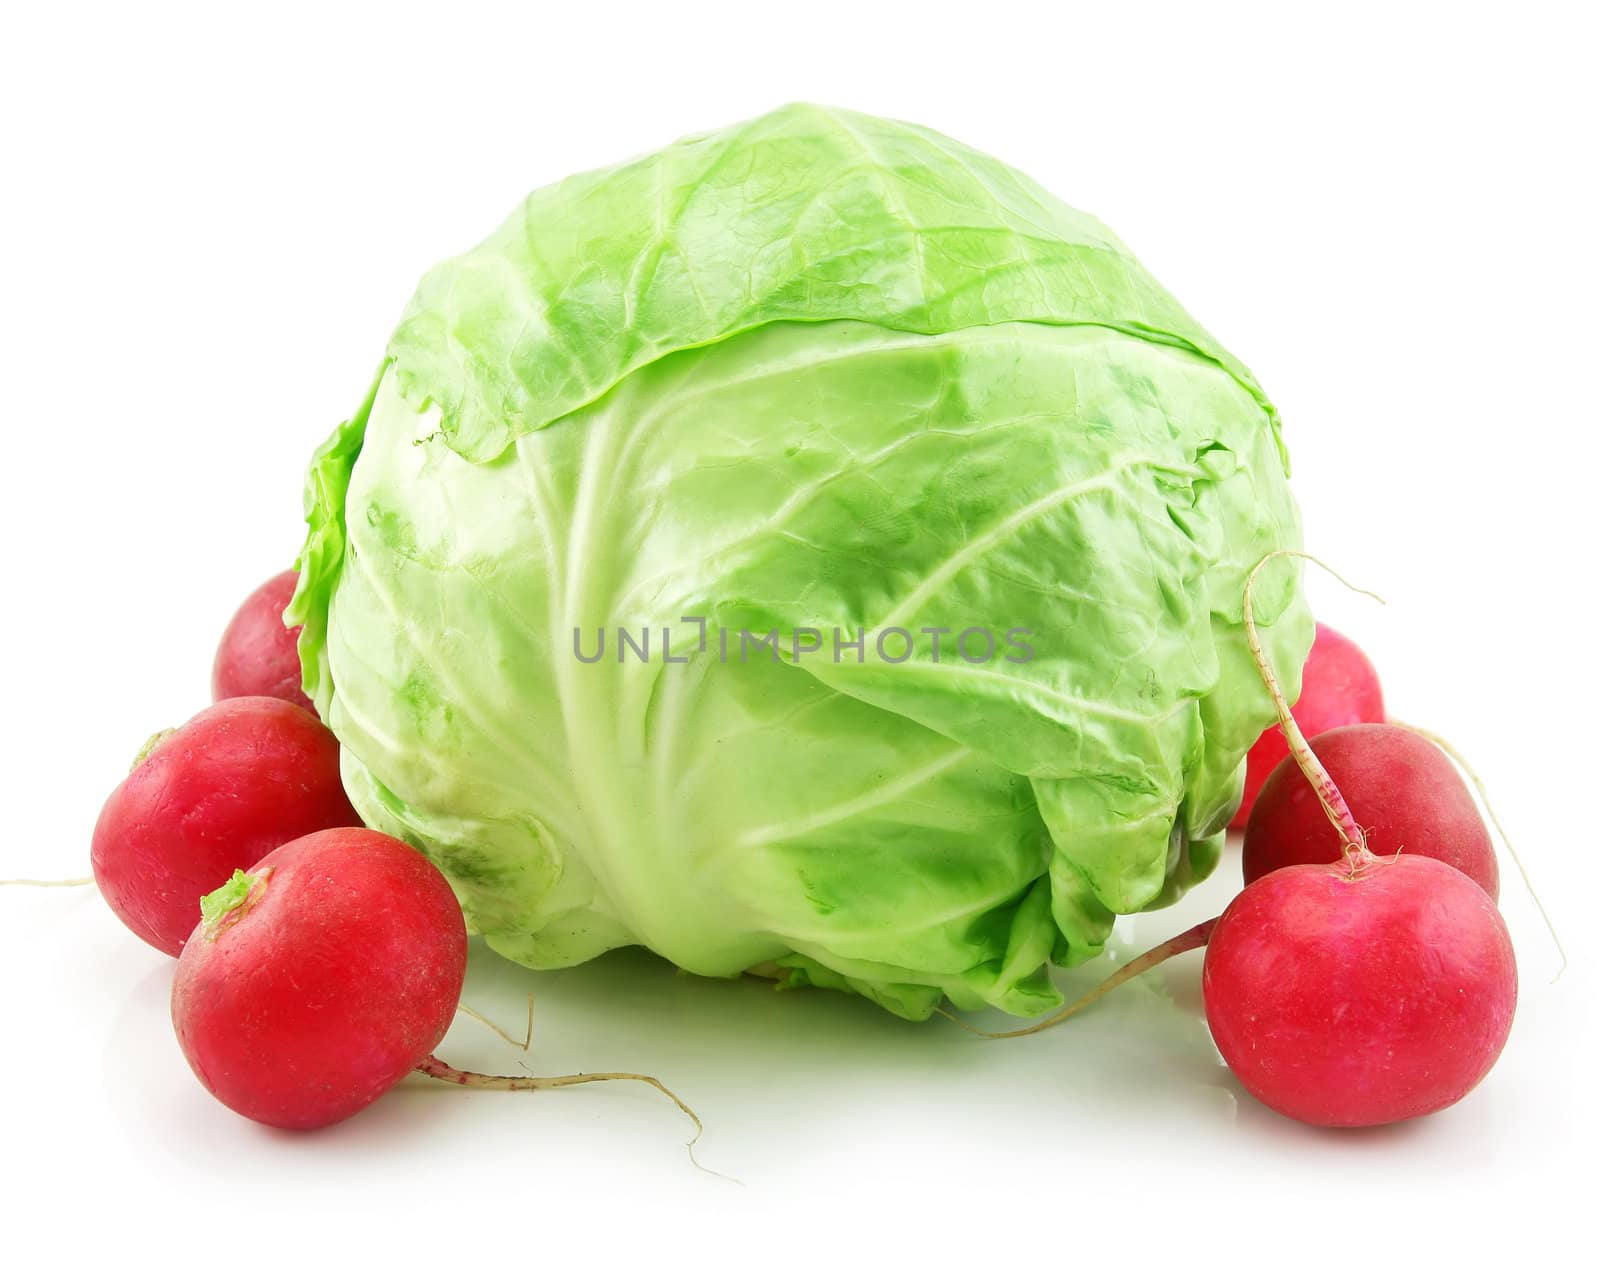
x: 1360, y: 994
x: 238, y: 780
x: 1337, y: 687
x: 1409, y: 797
x: 258, y: 655
x: 320, y: 978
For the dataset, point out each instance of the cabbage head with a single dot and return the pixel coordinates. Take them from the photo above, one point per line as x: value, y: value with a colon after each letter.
x: 818, y: 372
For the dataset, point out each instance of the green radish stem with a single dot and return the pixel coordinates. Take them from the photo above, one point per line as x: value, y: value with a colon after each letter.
x: 1483, y: 795
x: 223, y: 908
x: 150, y: 744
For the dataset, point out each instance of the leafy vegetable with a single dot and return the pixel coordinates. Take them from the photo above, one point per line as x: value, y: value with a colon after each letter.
x: 814, y: 371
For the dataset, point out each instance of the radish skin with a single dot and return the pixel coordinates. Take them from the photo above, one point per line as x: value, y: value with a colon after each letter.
x: 238, y: 780
x: 1351, y: 997
x: 258, y: 655
x: 1409, y: 797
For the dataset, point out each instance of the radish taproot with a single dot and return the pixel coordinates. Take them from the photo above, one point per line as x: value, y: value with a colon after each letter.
x: 259, y: 655
x: 241, y: 778
x: 1410, y: 798
x: 1338, y: 686
x: 320, y: 977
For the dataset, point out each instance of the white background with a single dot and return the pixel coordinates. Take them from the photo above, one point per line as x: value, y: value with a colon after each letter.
x: 211, y: 220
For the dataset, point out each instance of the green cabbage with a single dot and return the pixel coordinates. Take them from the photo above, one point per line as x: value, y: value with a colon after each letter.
x: 822, y: 371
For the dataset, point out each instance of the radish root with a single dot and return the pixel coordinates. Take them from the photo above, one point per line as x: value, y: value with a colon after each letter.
x: 47, y: 884
x: 523, y: 1044
x: 1188, y: 940
x: 437, y: 1069
x: 1488, y: 807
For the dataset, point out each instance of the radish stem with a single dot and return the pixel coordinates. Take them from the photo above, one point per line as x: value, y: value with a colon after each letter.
x: 1190, y: 939
x: 1356, y: 853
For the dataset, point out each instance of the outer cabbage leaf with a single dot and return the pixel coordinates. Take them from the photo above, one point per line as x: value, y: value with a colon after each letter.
x: 817, y: 371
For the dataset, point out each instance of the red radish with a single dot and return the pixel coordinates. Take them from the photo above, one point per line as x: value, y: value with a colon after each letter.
x: 1410, y: 798
x: 1337, y: 687
x: 1363, y: 992
x: 238, y: 780
x: 1360, y: 993
x: 258, y: 656
x: 320, y: 978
